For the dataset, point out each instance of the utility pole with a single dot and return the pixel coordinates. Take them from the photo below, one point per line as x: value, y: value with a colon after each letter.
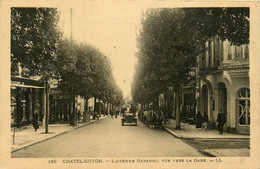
x: 47, y: 106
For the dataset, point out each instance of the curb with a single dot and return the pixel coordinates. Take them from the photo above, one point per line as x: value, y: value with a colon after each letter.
x: 180, y: 136
x: 197, y: 138
x: 48, y: 138
x: 207, y: 153
x: 172, y: 132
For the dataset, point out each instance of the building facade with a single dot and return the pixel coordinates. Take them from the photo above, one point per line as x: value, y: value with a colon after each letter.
x: 223, y: 84
x: 26, y: 93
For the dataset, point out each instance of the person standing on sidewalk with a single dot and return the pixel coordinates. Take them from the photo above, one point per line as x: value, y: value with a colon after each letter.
x: 198, y: 120
x: 159, y: 118
x: 205, y: 120
x: 35, y: 117
x: 111, y: 114
x: 79, y: 115
x: 221, y: 121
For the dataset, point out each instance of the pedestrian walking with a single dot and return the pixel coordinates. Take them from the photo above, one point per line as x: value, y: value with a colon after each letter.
x: 205, y: 120
x: 221, y: 121
x: 35, y: 117
x: 159, y: 119
x: 112, y: 114
x: 145, y: 117
x: 153, y: 119
x: 72, y: 119
x: 117, y: 113
x: 198, y: 120
x: 79, y: 115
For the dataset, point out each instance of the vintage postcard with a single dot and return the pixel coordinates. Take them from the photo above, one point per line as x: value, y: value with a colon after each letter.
x: 129, y: 84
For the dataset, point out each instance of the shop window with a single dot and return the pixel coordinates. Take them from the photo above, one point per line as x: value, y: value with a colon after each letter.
x: 244, y: 107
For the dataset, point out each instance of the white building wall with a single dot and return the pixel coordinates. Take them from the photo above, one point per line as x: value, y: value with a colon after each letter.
x: 233, y: 72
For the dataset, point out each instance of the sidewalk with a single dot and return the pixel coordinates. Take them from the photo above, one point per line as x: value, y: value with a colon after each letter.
x: 26, y: 136
x: 188, y: 131
x: 243, y: 152
x: 191, y: 132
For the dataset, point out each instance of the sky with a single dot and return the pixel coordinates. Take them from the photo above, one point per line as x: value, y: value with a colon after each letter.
x: 111, y: 28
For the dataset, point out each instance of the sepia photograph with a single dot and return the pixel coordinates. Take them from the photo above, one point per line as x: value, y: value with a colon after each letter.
x: 134, y: 85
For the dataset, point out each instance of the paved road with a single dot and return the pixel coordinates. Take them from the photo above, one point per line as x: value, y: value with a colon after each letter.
x: 107, y: 138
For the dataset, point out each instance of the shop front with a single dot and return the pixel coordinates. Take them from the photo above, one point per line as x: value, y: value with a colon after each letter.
x: 25, y: 94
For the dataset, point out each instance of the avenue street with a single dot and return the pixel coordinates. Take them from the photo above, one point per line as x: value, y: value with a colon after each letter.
x: 107, y: 138
x: 162, y: 65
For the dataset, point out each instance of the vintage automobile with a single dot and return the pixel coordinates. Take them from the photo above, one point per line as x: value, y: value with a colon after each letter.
x: 129, y: 117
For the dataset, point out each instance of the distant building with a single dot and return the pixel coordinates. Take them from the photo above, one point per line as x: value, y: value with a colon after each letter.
x: 223, y: 83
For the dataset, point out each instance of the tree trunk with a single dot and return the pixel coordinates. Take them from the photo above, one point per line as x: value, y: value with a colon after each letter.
x: 95, y: 108
x: 106, y: 108
x: 30, y: 105
x: 177, y: 110
x: 157, y: 102
x: 43, y: 104
x: 86, y: 113
x: 95, y: 104
x: 47, y: 106
x: 111, y: 108
x: 61, y: 109
x: 165, y: 107
x: 72, y: 110
x: 65, y: 110
x: 17, y: 115
x: 99, y: 107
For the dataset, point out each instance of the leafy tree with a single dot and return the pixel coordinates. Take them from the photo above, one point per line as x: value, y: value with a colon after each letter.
x: 66, y: 65
x: 34, y: 39
x: 168, y: 49
x: 85, y: 71
x: 171, y: 39
x: 227, y: 23
x: 37, y: 45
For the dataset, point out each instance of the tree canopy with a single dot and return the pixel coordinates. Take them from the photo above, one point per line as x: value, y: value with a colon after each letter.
x: 37, y: 44
x: 167, y: 52
x: 226, y: 23
x: 85, y: 71
x: 170, y: 40
x: 34, y: 39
